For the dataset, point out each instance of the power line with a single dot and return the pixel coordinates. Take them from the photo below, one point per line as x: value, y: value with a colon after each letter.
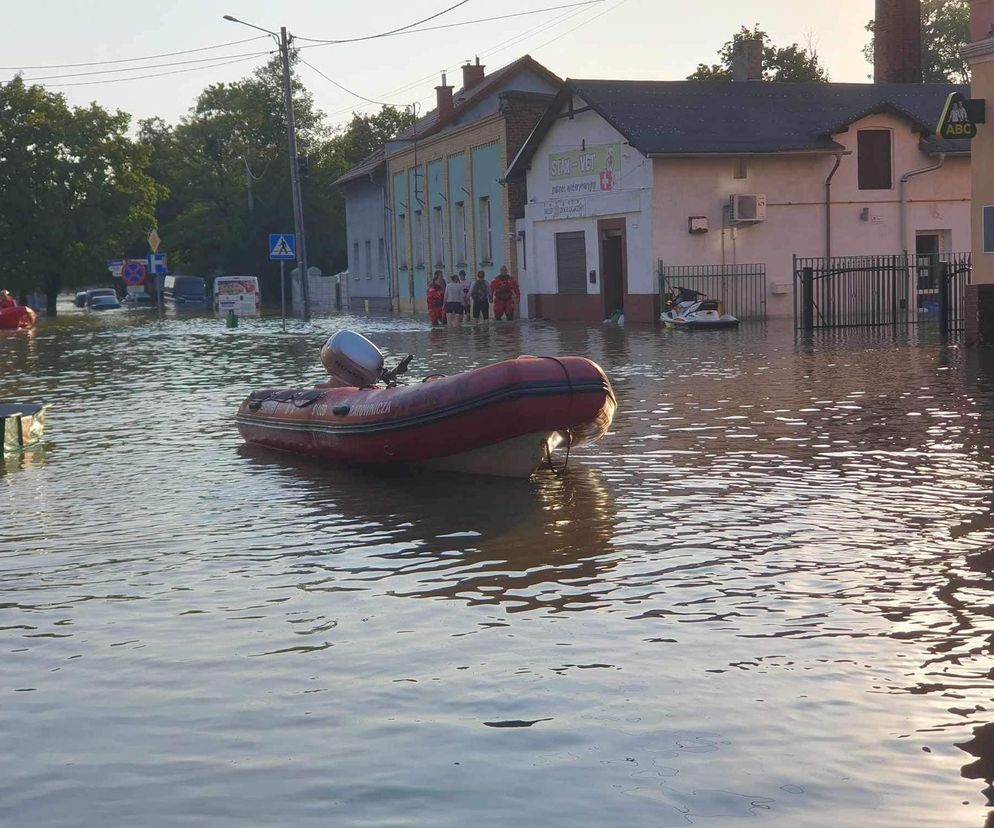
x: 148, y: 66
x: 407, y: 30
x: 132, y: 60
x: 343, y: 88
x: 581, y: 25
x: 157, y: 74
x: 498, y: 48
x: 392, y: 31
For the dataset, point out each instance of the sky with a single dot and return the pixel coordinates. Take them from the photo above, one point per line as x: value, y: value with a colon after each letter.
x: 617, y: 39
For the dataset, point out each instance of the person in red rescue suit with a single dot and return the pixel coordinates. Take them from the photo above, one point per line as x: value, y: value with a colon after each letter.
x: 6, y: 300
x: 505, y: 293
x: 436, y: 300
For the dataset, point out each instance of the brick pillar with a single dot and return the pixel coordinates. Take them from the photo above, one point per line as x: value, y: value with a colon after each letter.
x: 979, y: 315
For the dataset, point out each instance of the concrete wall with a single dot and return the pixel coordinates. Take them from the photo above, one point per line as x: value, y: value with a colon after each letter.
x: 570, y: 205
x: 366, y: 221
x: 864, y: 222
x: 658, y: 197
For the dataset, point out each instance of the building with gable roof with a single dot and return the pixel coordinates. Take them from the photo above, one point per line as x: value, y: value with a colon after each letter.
x: 624, y: 175
x: 434, y: 198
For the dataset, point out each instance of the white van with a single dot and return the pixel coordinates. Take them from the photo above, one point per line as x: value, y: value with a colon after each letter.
x: 237, y: 293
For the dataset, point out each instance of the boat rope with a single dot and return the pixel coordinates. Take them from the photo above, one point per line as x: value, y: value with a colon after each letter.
x: 569, y: 428
x: 548, y: 455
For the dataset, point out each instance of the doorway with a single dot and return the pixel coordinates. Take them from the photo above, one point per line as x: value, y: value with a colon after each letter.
x: 614, y: 264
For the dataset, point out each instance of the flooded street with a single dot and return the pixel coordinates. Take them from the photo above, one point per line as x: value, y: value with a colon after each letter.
x: 764, y: 598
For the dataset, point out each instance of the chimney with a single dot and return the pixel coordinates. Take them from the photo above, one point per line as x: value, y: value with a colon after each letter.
x: 897, y: 41
x: 747, y: 59
x: 472, y: 74
x: 443, y: 95
x: 981, y: 19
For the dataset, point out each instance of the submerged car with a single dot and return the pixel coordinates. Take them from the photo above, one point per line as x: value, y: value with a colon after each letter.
x: 104, y: 303
x: 82, y: 299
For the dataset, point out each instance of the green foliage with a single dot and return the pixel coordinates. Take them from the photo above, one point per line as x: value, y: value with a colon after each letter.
x: 788, y: 64
x: 75, y: 190
x: 226, y: 167
x: 945, y: 28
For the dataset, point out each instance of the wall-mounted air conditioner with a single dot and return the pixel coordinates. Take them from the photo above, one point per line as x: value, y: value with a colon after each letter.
x: 747, y: 208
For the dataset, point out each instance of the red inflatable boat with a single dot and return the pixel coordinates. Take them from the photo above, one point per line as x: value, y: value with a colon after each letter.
x: 502, y: 419
x: 16, y: 317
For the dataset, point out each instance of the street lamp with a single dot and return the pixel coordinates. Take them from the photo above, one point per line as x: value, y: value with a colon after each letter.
x: 298, y: 204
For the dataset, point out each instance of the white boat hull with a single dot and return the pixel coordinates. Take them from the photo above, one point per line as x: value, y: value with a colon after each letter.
x: 519, y: 457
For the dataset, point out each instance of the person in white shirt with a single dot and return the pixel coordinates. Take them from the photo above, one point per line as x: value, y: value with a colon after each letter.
x: 454, y: 302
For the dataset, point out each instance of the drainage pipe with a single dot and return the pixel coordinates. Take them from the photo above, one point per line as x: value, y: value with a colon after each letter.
x: 828, y: 206
x: 903, y: 222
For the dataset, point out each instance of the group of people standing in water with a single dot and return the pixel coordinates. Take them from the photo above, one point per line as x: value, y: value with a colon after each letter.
x: 451, y: 302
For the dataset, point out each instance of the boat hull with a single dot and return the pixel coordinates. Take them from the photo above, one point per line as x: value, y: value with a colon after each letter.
x: 11, y: 319
x: 493, y: 420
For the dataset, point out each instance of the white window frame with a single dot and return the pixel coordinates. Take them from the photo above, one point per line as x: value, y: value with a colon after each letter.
x: 419, y: 240
x: 438, y: 237
x: 486, y: 232
x: 403, y: 242
x: 462, y: 239
x: 355, y: 260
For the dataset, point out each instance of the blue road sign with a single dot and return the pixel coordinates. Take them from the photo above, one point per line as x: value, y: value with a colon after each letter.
x: 156, y: 262
x: 282, y: 247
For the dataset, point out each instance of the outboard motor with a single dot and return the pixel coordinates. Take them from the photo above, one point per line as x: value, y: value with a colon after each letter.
x: 351, y: 359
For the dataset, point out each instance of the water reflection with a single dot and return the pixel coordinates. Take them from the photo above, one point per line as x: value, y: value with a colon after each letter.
x: 766, y: 592
x: 543, y: 543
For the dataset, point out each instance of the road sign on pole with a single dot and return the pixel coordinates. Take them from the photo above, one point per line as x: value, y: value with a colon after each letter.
x: 282, y: 247
x: 157, y: 263
x: 133, y: 272
x: 153, y: 241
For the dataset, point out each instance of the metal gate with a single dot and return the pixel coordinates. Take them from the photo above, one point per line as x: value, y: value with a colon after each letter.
x: 740, y: 288
x: 874, y: 291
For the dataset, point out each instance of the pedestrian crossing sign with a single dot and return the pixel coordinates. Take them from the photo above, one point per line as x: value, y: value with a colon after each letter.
x: 282, y: 247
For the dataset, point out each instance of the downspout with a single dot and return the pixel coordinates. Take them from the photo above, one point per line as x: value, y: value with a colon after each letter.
x: 828, y: 206
x: 900, y: 197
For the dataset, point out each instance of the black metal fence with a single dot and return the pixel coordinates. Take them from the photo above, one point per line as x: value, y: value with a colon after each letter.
x: 942, y: 282
x: 739, y: 288
x: 873, y: 291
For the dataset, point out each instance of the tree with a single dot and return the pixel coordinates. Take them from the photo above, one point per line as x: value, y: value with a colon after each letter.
x: 792, y: 63
x: 945, y: 28
x: 75, y: 190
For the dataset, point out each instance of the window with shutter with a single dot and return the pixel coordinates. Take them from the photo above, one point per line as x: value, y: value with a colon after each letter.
x: 571, y: 262
x: 874, y: 159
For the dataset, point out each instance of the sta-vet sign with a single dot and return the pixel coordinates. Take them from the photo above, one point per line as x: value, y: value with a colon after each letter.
x: 588, y: 170
x: 960, y: 117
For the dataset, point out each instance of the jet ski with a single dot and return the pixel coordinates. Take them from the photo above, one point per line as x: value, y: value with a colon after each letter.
x: 693, y: 311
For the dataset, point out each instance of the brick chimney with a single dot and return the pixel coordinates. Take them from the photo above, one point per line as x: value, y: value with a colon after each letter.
x: 747, y: 59
x: 897, y: 41
x: 981, y: 19
x: 472, y: 74
x: 443, y: 95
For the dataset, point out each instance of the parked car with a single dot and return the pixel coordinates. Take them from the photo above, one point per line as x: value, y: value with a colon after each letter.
x: 103, y: 302
x: 82, y: 299
x: 138, y: 300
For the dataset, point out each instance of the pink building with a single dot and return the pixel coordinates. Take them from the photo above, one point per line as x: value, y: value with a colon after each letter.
x: 623, y: 176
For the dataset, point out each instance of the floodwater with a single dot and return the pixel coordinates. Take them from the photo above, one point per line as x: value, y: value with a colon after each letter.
x: 764, y: 598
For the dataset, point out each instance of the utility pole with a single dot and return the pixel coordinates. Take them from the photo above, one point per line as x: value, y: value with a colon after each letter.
x: 248, y: 185
x: 298, y: 205
x: 291, y: 131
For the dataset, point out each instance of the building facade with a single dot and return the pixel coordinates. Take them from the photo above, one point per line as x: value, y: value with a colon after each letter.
x: 623, y: 177
x: 369, y: 287
x: 435, y: 194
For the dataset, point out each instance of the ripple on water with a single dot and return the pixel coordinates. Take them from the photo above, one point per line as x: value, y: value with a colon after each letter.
x: 764, y: 595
